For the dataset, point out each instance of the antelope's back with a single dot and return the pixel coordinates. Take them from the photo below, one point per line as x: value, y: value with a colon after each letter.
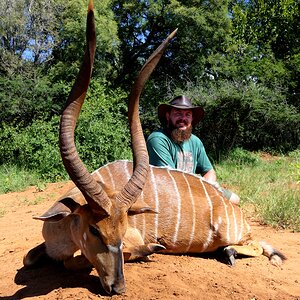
x: 193, y: 216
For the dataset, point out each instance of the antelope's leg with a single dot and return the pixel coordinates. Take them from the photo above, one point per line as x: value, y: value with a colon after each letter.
x: 35, y: 256
x: 78, y: 262
x: 230, y: 255
x: 135, y: 248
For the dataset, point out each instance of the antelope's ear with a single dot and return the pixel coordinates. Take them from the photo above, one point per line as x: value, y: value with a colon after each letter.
x: 59, y: 210
x: 140, y: 207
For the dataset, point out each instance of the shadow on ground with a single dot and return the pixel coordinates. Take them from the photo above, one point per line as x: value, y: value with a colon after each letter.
x: 51, y: 276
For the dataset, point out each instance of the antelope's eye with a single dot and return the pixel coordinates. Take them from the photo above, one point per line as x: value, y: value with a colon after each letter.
x: 94, y: 231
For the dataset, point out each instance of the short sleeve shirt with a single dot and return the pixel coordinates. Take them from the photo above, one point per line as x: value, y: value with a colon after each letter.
x: 189, y: 156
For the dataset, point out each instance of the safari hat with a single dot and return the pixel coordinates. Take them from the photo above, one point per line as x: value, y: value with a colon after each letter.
x: 180, y: 102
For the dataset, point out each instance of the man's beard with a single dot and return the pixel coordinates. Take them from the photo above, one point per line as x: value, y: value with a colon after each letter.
x: 180, y: 135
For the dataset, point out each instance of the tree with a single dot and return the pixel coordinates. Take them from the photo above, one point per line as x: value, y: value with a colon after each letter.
x: 203, y: 29
x: 41, y: 46
x: 68, y: 52
x: 267, y: 32
x: 28, y: 32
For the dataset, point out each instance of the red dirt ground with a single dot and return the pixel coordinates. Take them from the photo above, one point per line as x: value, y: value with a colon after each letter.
x: 165, y: 277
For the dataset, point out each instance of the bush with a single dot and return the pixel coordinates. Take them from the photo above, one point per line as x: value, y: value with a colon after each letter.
x: 101, y: 136
x: 245, y: 115
x: 24, y: 99
x: 239, y: 156
x: 34, y: 148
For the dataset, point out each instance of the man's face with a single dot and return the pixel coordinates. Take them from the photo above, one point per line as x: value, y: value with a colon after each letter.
x: 180, y: 124
x: 180, y: 118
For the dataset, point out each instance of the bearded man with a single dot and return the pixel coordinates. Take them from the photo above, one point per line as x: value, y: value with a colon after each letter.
x: 176, y: 147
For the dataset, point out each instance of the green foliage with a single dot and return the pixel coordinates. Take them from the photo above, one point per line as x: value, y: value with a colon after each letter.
x: 269, y: 29
x: 34, y: 147
x: 296, y: 166
x: 102, y: 135
x: 68, y: 52
x: 203, y: 29
x: 28, y: 29
x: 41, y: 49
x: 281, y: 209
x: 25, y: 99
x: 244, y: 115
x: 240, y: 156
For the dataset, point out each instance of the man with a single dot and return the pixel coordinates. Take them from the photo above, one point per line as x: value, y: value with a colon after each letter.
x: 175, y: 146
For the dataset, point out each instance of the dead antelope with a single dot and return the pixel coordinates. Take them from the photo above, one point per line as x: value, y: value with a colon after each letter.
x: 130, y: 209
x: 181, y: 212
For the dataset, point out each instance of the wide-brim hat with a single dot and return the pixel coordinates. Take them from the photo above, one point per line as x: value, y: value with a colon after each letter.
x: 180, y: 102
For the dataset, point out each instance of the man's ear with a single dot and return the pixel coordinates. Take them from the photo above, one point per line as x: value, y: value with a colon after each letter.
x: 167, y: 116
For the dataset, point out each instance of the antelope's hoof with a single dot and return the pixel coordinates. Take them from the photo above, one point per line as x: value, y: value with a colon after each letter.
x: 230, y: 255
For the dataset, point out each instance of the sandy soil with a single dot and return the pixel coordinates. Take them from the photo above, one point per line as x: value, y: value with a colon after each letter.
x: 165, y: 277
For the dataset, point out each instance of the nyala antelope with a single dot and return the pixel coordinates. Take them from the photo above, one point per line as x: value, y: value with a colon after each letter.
x: 129, y: 210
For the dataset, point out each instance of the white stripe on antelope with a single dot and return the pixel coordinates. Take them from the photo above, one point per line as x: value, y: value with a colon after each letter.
x: 121, y: 211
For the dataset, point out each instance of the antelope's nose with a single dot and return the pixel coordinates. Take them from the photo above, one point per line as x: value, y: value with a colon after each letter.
x: 118, y: 288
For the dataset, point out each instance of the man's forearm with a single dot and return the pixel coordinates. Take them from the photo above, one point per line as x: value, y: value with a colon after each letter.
x: 210, y: 176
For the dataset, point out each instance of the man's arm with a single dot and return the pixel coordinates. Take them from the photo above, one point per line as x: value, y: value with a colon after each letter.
x: 210, y: 176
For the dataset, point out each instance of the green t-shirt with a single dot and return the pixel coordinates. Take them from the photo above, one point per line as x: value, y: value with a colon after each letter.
x: 189, y: 156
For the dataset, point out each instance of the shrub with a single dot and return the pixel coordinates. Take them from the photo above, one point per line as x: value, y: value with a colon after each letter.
x: 245, y: 115
x: 240, y: 156
x: 34, y: 148
x: 101, y: 136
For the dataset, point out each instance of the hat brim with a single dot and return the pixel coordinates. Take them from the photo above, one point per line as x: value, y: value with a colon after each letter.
x: 198, y: 113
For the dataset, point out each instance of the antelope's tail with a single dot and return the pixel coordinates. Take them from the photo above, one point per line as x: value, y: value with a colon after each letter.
x: 276, y: 257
